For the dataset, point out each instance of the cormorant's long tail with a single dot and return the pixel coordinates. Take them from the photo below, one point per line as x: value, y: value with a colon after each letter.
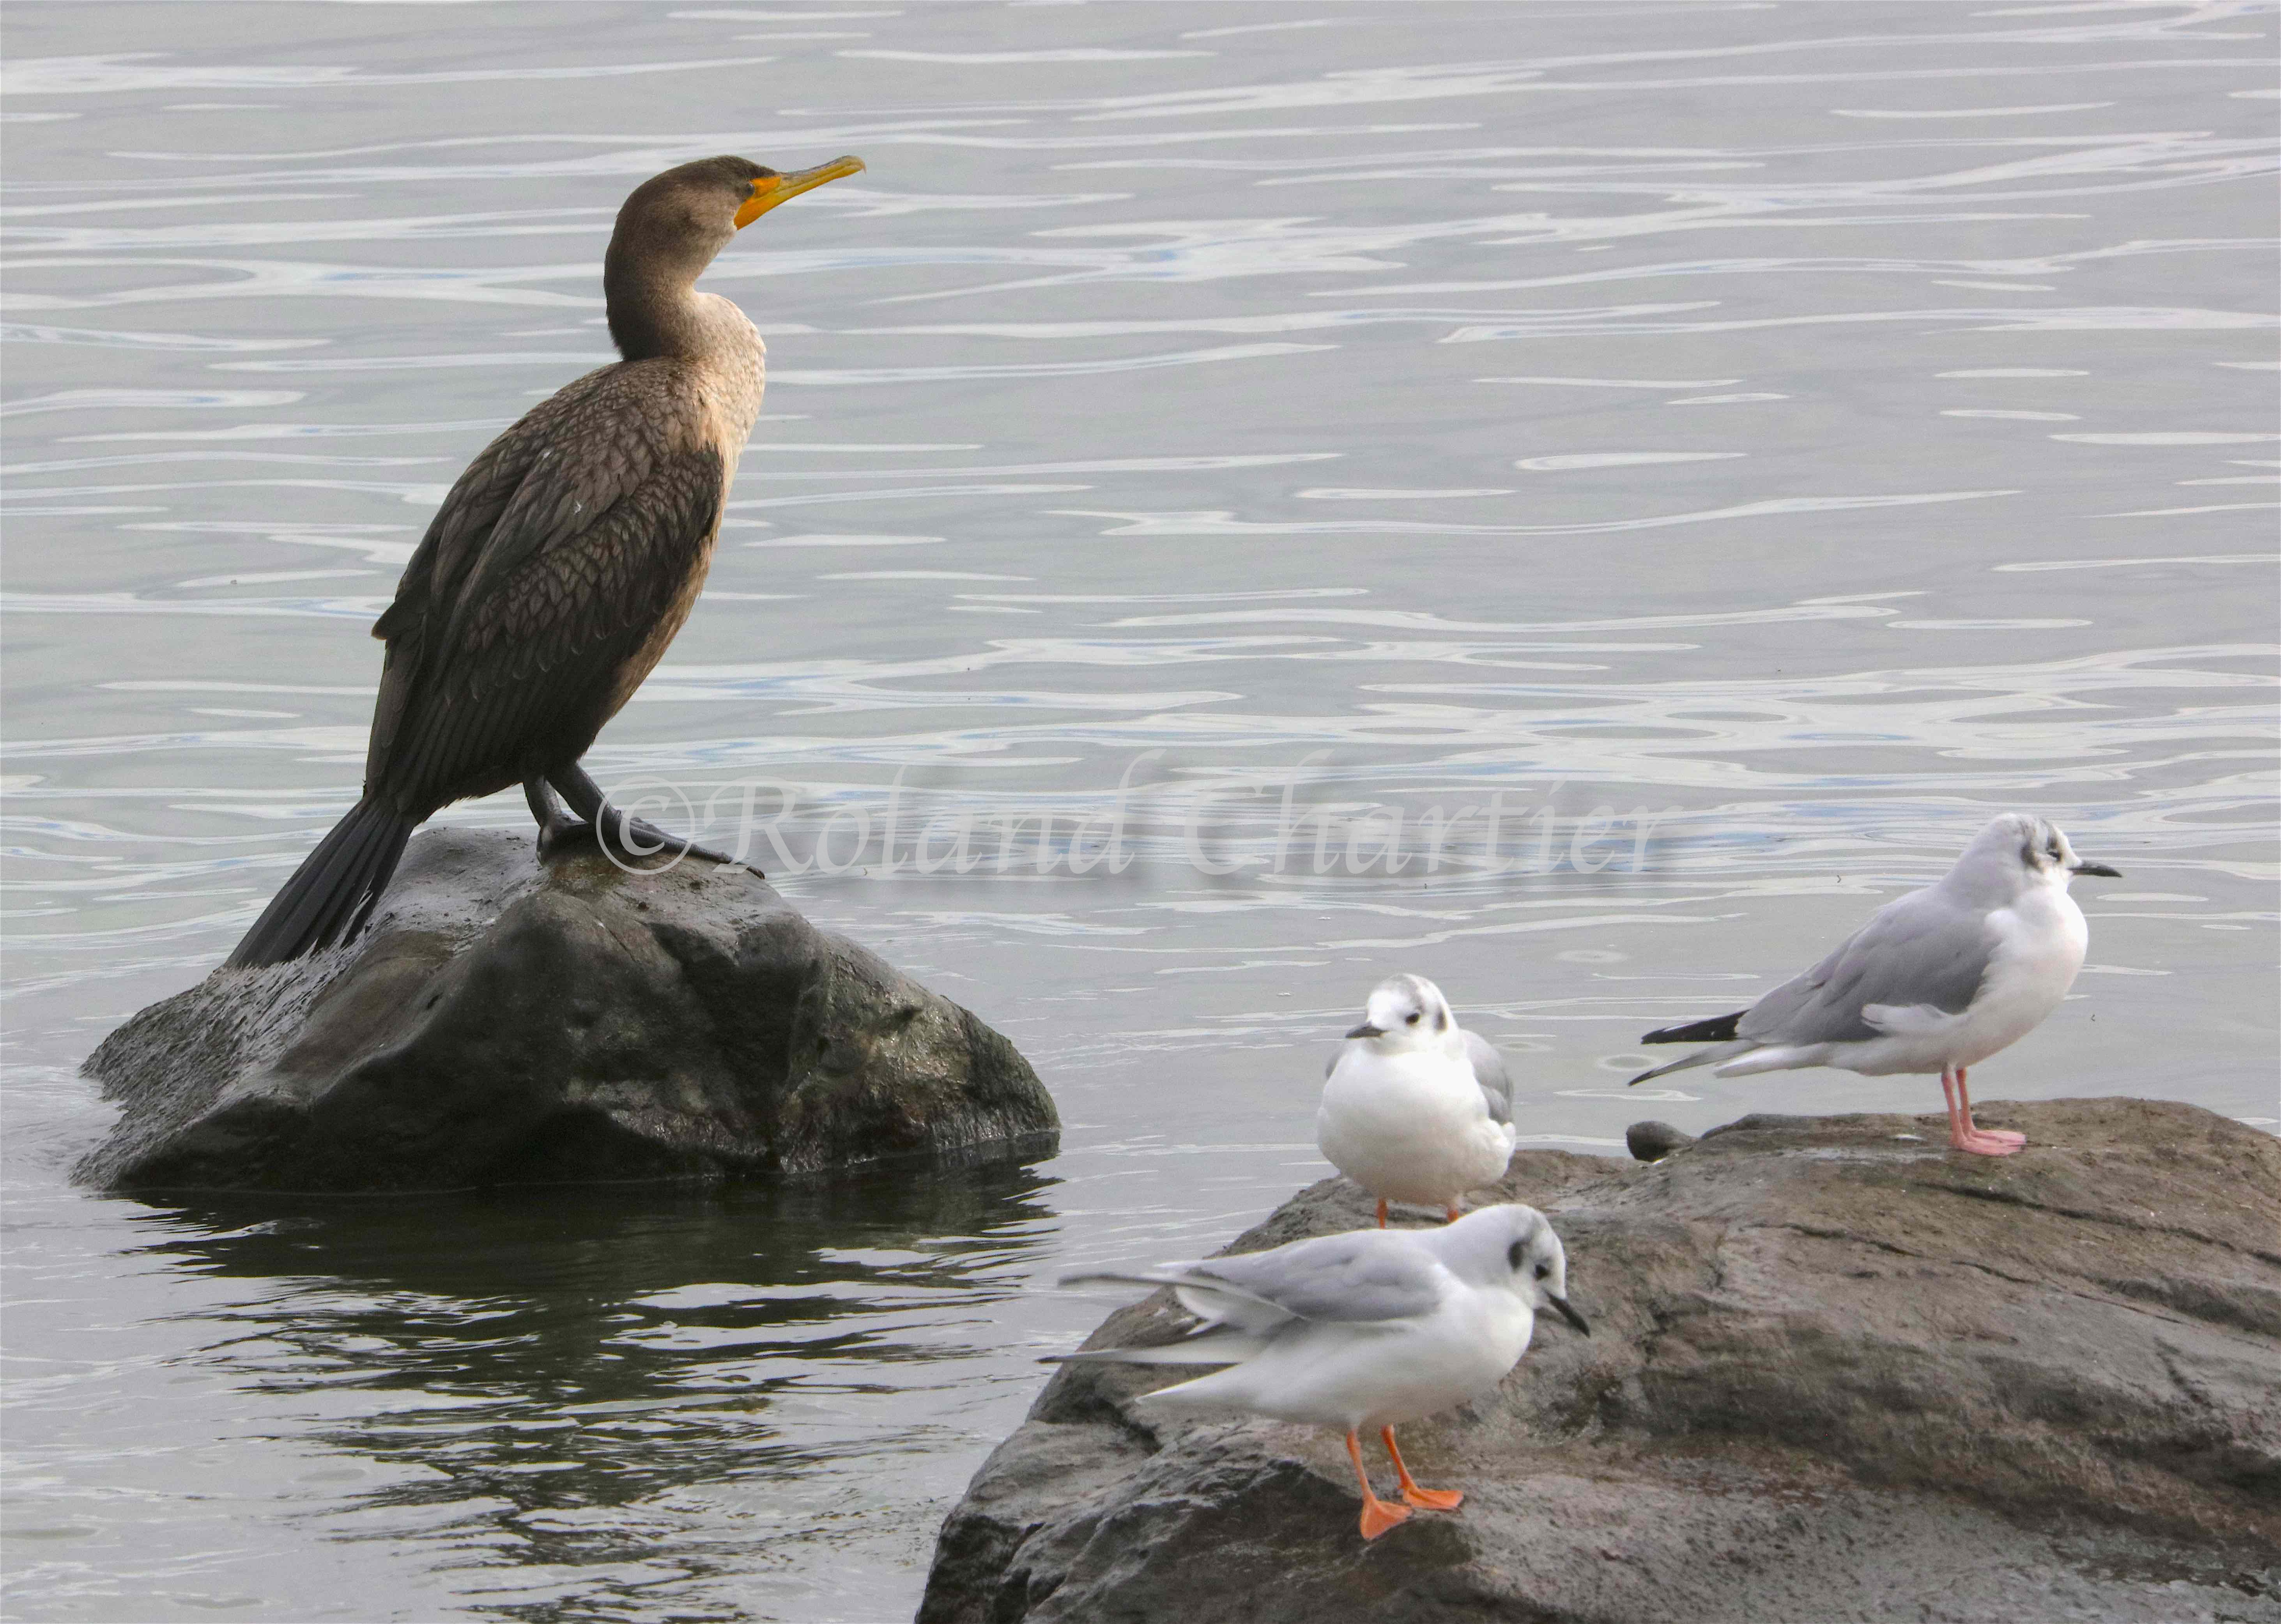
x: 332, y: 891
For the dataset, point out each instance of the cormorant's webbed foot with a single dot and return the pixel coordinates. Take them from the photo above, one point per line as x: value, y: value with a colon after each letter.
x: 626, y: 839
x: 556, y: 827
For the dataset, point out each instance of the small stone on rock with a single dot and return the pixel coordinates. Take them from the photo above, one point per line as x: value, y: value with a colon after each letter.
x: 1651, y: 1141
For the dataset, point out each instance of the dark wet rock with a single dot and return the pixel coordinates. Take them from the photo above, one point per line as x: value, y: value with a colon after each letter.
x: 503, y: 1023
x: 1834, y: 1374
x: 1651, y: 1141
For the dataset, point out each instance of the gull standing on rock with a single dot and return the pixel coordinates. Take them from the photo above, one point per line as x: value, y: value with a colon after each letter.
x: 1415, y: 1108
x: 1936, y: 981
x: 1361, y: 1330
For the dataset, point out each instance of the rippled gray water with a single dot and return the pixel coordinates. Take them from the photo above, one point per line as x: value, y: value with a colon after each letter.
x: 1812, y: 426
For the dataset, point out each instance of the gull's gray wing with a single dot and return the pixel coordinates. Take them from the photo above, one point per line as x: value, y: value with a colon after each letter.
x: 1366, y: 1275
x: 1922, y: 948
x: 1489, y: 1071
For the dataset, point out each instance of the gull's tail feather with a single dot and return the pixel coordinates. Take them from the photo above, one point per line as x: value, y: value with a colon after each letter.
x: 1217, y: 1345
x: 1701, y: 1057
x: 332, y: 891
x: 1121, y: 1277
x: 1718, y: 1029
x: 1209, y: 1298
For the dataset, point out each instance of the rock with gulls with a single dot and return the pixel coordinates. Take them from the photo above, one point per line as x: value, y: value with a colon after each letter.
x: 1837, y: 1371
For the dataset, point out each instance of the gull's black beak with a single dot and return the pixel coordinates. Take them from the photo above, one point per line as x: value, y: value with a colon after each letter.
x: 2100, y: 869
x: 1568, y: 1313
x: 1367, y: 1030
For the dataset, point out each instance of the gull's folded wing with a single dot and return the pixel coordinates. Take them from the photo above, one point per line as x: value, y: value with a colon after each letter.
x: 1922, y: 948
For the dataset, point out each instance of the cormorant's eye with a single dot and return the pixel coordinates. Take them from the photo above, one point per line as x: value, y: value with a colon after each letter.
x: 1412, y: 1018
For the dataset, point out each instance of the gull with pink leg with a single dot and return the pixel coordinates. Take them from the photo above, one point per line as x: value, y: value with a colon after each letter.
x: 1937, y: 980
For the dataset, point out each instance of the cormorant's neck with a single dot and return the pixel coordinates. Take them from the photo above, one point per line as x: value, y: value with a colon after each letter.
x: 653, y: 305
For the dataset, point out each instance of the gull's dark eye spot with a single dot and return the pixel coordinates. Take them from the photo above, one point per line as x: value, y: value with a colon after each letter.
x: 1513, y: 1255
x: 1544, y: 1271
x: 1411, y: 1017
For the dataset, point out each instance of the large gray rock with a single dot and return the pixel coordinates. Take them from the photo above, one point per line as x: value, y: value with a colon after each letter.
x: 1835, y: 1373
x: 499, y: 1022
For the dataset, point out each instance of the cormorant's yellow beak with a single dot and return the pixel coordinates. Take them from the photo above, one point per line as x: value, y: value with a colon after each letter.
x: 771, y: 189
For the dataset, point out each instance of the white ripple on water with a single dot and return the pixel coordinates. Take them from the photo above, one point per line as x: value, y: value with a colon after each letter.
x: 1658, y: 383
x: 1038, y: 369
x: 1394, y: 84
x: 2171, y: 513
x: 1275, y: 27
x: 907, y: 494
x: 1379, y: 493
x: 1420, y: 620
x: 2025, y: 417
x: 118, y: 338
x: 821, y: 539
x: 422, y: 495
x: 570, y: 363
x: 2172, y: 436
x: 372, y: 542
x: 2038, y: 264
x: 130, y: 70
x: 1972, y: 112
x: 994, y: 58
x: 117, y: 399
x: 1566, y: 158
x: 1195, y: 463
x: 2104, y: 319
x: 1219, y: 521
x: 1564, y: 461
x: 1276, y: 321
x: 319, y: 432
x: 148, y: 458
x: 619, y: 156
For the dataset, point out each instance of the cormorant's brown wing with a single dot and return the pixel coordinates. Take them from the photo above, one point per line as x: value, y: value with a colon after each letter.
x: 546, y: 571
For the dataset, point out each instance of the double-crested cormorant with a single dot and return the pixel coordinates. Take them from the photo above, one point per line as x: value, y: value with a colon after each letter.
x: 561, y: 563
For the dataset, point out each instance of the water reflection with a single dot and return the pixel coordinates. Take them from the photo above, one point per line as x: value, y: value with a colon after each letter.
x: 578, y: 1380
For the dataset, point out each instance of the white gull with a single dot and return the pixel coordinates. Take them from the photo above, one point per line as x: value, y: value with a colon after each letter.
x: 1937, y: 980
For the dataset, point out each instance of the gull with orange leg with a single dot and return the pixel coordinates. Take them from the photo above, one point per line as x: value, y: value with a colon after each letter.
x: 1362, y: 1331
x: 1937, y: 980
x: 1415, y: 1108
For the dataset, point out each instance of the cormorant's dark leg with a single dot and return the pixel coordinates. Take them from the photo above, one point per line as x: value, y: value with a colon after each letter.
x: 556, y: 825
x: 627, y: 837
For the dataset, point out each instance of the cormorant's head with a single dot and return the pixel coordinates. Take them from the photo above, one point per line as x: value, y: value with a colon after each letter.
x: 681, y: 219
x: 672, y: 225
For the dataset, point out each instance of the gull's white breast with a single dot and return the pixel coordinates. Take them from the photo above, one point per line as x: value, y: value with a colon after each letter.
x: 1410, y: 1127
x: 2040, y: 943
